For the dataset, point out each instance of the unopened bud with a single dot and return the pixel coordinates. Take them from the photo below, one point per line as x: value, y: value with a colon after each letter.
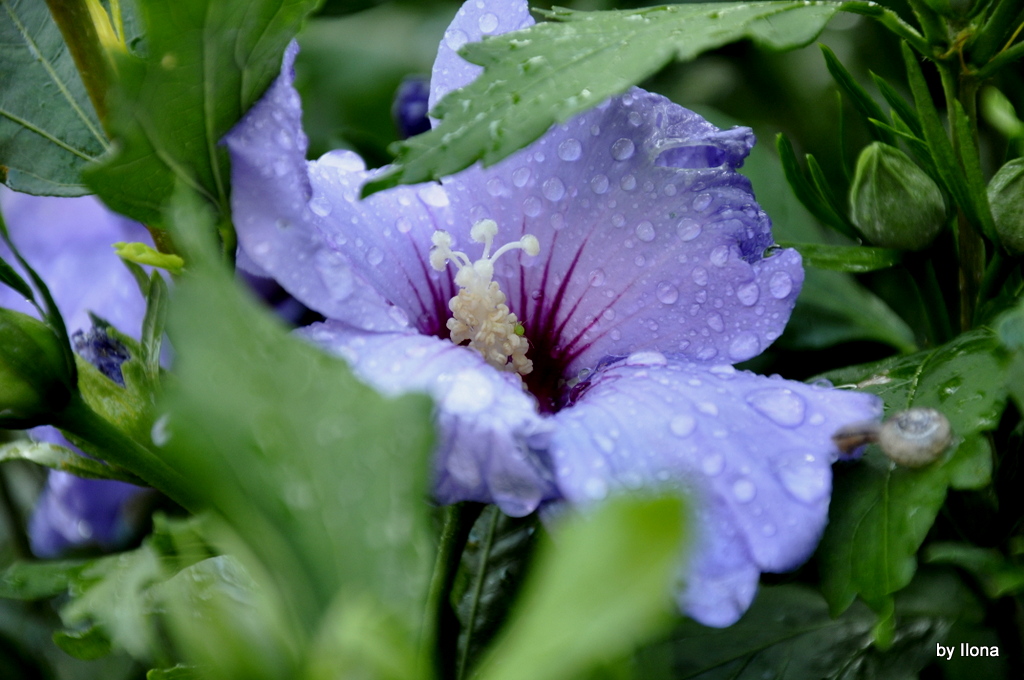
x: 893, y: 202
x: 1006, y: 196
x: 35, y: 378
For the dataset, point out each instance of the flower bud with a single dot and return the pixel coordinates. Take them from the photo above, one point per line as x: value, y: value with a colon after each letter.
x: 893, y: 202
x: 1006, y: 196
x: 34, y: 375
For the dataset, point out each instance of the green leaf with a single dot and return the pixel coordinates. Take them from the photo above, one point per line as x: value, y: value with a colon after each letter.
x: 549, y: 72
x: 491, y: 571
x: 940, y: 148
x: 39, y: 580
x: 900, y: 106
x: 596, y: 594
x: 171, y: 106
x: 48, y: 128
x: 833, y: 308
x: 64, y: 459
x: 87, y: 645
x: 863, y: 102
x: 808, y: 193
x: 997, y: 575
x: 179, y: 672
x: 157, y: 299
x: 880, y: 513
x: 141, y: 253
x: 788, y: 634
x: 974, y: 178
x: 855, y: 259
x: 323, y: 478
x: 114, y: 595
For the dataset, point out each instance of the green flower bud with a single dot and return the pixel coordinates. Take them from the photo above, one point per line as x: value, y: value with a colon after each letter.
x: 34, y: 376
x: 1006, y: 196
x: 893, y: 202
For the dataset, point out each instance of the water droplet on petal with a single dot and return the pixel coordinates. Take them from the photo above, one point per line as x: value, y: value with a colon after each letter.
x: 782, y: 406
x: 455, y: 38
x: 748, y: 293
x: 520, y: 176
x: 780, y: 285
x: 434, y: 195
x: 597, y: 278
x: 804, y: 477
x: 374, y: 256
x: 744, y: 346
x: 744, y: 490
x: 713, y: 464
x: 707, y: 408
x: 618, y: 220
x: 495, y: 187
x: 682, y: 425
x: 595, y: 488
x: 688, y: 229
x: 532, y: 206
x: 667, y: 293
x: 700, y: 276
x: 469, y: 392
x: 622, y: 149
x: 603, y: 442
x: 645, y: 231
x: 628, y: 183
x: 701, y: 201
x: 403, y: 225
x: 320, y: 206
x: 719, y: 255
x: 670, y: 190
x: 553, y: 189
x: 646, y: 359
x: 599, y: 184
x: 570, y: 150
x: 488, y: 23
x: 715, y: 322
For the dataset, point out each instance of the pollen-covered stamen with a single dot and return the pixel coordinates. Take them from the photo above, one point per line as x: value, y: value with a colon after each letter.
x: 479, y: 312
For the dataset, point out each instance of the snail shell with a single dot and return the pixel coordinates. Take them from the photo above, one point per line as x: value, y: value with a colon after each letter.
x: 915, y: 437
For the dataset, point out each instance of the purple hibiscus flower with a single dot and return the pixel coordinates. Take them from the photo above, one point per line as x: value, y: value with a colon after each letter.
x: 68, y: 242
x: 605, y: 279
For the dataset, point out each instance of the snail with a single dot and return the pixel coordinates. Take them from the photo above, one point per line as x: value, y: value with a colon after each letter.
x: 911, y: 438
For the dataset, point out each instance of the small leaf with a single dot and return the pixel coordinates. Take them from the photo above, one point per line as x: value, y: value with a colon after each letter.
x: 492, y: 568
x: 974, y: 178
x: 808, y: 194
x: 865, y: 105
x: 880, y: 513
x: 39, y: 580
x: 855, y: 259
x: 900, y: 106
x: 63, y: 459
x: 179, y: 672
x: 141, y: 253
x: 998, y: 576
x: 157, y: 299
x: 940, y: 148
x: 170, y: 107
x: 596, y: 594
x: 87, y: 645
x: 48, y: 127
x: 549, y: 72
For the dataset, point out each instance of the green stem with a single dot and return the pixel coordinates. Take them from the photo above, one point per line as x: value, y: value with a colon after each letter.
x: 79, y: 31
x: 440, y: 628
x: 117, y: 448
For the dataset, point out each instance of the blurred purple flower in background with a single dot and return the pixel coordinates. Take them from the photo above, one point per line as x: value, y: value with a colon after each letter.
x: 607, y: 277
x: 68, y: 241
x: 410, y: 108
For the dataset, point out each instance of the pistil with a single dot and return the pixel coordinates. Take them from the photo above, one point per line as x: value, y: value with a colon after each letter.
x: 479, y: 312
